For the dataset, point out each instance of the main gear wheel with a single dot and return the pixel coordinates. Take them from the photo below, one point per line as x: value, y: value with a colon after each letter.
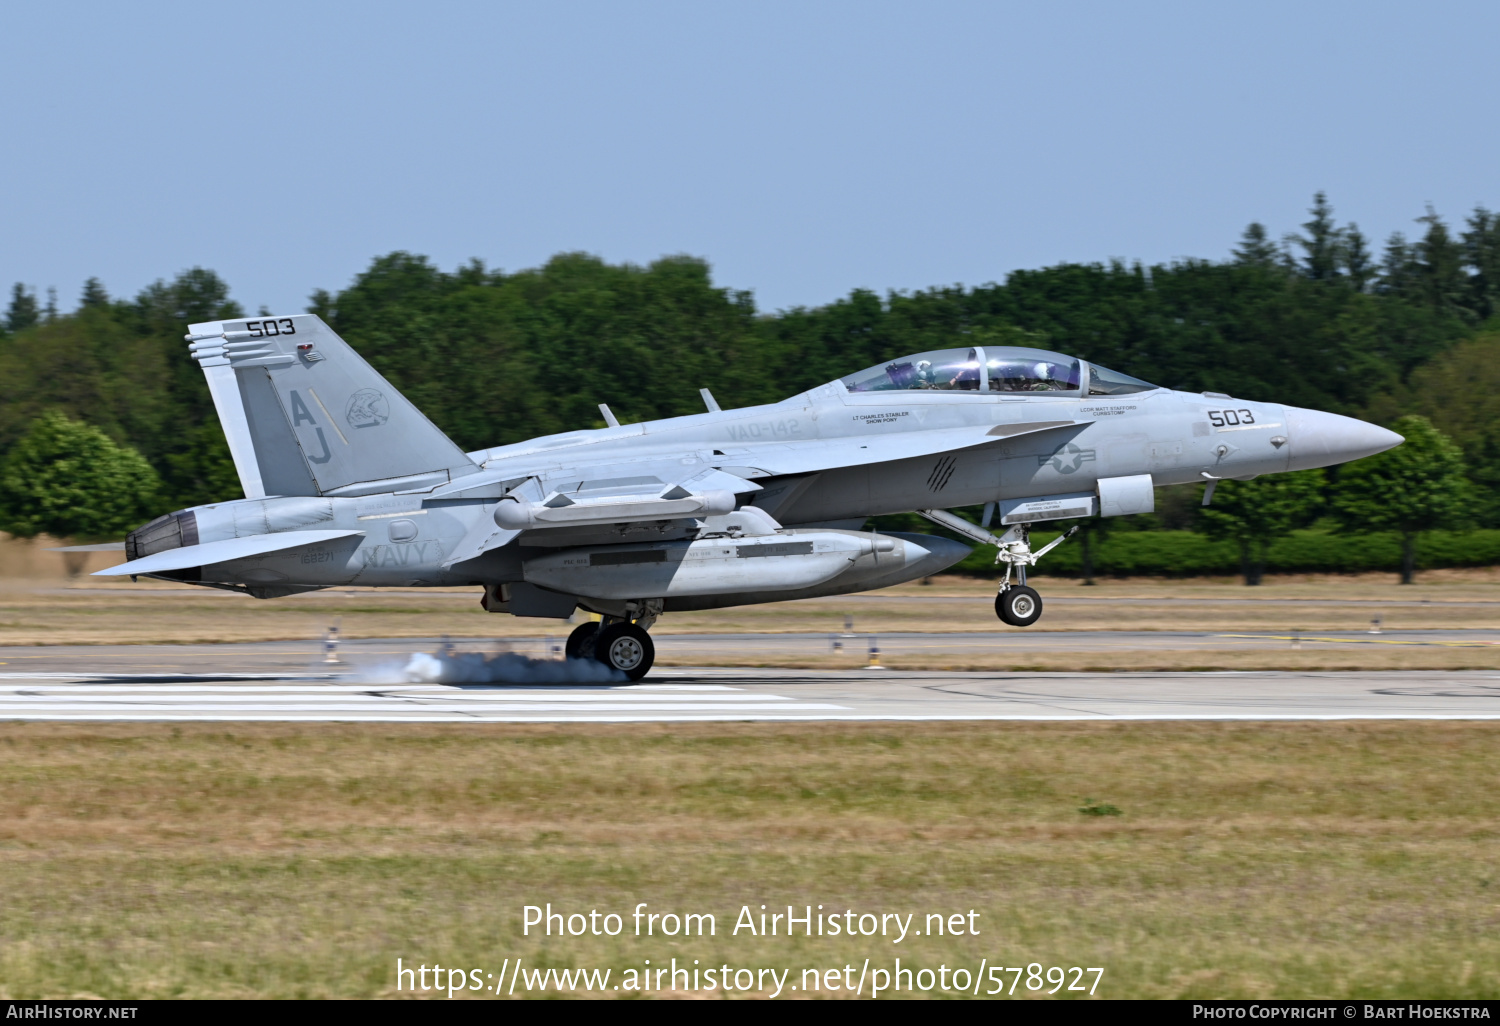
x: 625, y: 648
x: 580, y: 644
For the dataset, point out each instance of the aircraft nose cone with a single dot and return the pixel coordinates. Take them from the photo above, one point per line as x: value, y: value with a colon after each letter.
x: 1324, y: 439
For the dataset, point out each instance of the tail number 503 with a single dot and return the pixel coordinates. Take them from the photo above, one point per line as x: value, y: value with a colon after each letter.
x: 1230, y: 418
x: 260, y: 329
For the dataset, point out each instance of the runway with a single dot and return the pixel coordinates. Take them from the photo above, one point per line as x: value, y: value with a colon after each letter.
x: 283, y: 681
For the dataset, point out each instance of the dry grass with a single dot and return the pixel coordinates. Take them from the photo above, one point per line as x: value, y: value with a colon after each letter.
x: 36, y: 612
x: 1169, y: 660
x: 1336, y: 860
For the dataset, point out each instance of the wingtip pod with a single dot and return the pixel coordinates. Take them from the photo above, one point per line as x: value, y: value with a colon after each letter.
x: 1321, y: 439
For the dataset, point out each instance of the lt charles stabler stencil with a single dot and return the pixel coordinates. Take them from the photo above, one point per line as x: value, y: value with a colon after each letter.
x: 346, y: 482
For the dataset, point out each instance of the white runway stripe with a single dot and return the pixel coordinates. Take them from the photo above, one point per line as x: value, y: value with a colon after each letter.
x: 739, y: 695
x: 138, y: 697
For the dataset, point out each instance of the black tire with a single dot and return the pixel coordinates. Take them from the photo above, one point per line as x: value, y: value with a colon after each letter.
x: 580, y: 642
x: 1019, y: 606
x: 625, y: 648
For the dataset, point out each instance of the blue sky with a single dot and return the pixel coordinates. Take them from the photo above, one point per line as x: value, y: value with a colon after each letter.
x: 803, y: 148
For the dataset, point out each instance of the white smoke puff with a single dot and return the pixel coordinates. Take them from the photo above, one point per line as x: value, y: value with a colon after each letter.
x: 506, y: 668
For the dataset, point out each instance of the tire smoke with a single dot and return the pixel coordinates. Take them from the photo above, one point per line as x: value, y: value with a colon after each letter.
x: 505, y: 668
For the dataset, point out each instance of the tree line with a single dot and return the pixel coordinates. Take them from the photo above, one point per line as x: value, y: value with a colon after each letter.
x: 1315, y: 319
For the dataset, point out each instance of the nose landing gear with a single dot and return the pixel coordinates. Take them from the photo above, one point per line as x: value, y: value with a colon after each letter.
x: 1017, y: 604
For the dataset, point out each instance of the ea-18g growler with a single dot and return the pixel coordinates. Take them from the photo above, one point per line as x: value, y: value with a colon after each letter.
x: 346, y: 482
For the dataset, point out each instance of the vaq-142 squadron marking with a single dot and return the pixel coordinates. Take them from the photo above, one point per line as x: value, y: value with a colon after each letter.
x: 346, y: 482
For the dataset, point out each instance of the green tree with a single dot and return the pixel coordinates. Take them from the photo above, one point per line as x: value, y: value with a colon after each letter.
x: 71, y: 481
x: 1256, y: 248
x: 1440, y: 266
x: 1359, y: 263
x: 1459, y: 392
x: 1482, y: 253
x: 22, y: 312
x: 1415, y: 487
x: 1255, y: 513
x: 94, y: 294
x: 1322, y: 245
x: 1399, y: 275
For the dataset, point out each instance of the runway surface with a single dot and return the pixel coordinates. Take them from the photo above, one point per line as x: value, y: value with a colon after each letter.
x: 284, y: 681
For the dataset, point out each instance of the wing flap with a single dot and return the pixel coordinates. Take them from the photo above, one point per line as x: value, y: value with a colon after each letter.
x: 210, y: 553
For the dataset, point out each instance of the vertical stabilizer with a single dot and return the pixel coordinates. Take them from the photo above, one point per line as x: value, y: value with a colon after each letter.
x: 304, y: 413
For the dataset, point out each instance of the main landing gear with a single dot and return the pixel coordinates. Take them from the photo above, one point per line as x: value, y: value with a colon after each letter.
x: 1017, y: 604
x: 619, y: 643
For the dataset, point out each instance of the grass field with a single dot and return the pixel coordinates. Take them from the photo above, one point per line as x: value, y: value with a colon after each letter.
x: 57, y: 612
x: 53, y: 612
x: 1333, y: 860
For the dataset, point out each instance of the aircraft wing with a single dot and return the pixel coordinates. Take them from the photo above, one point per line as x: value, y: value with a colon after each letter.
x: 805, y: 457
x: 609, y: 491
x: 222, y: 552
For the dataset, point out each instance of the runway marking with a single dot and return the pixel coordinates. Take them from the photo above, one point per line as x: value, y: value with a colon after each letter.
x: 690, y: 694
x: 343, y: 697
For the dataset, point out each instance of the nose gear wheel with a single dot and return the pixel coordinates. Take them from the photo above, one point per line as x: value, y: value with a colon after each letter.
x: 1019, y: 606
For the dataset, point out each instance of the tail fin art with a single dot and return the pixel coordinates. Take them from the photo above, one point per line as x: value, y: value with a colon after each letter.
x: 304, y: 414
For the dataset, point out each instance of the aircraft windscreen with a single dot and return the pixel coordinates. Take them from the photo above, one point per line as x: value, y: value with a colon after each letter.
x: 1103, y: 381
x: 996, y: 369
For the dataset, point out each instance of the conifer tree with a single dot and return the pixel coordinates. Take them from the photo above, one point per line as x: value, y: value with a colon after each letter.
x: 1256, y: 248
x: 94, y: 294
x: 1440, y: 266
x: 1321, y: 244
x: 22, y: 312
x: 1482, y: 253
x: 1359, y: 263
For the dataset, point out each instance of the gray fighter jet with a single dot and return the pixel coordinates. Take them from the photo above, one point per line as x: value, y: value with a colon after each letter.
x: 346, y: 482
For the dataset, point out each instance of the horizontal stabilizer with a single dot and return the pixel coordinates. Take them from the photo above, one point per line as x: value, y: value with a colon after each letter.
x: 210, y: 553
x: 118, y: 546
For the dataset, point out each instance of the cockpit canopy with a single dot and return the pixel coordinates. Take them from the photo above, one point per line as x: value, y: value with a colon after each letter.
x: 992, y: 369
